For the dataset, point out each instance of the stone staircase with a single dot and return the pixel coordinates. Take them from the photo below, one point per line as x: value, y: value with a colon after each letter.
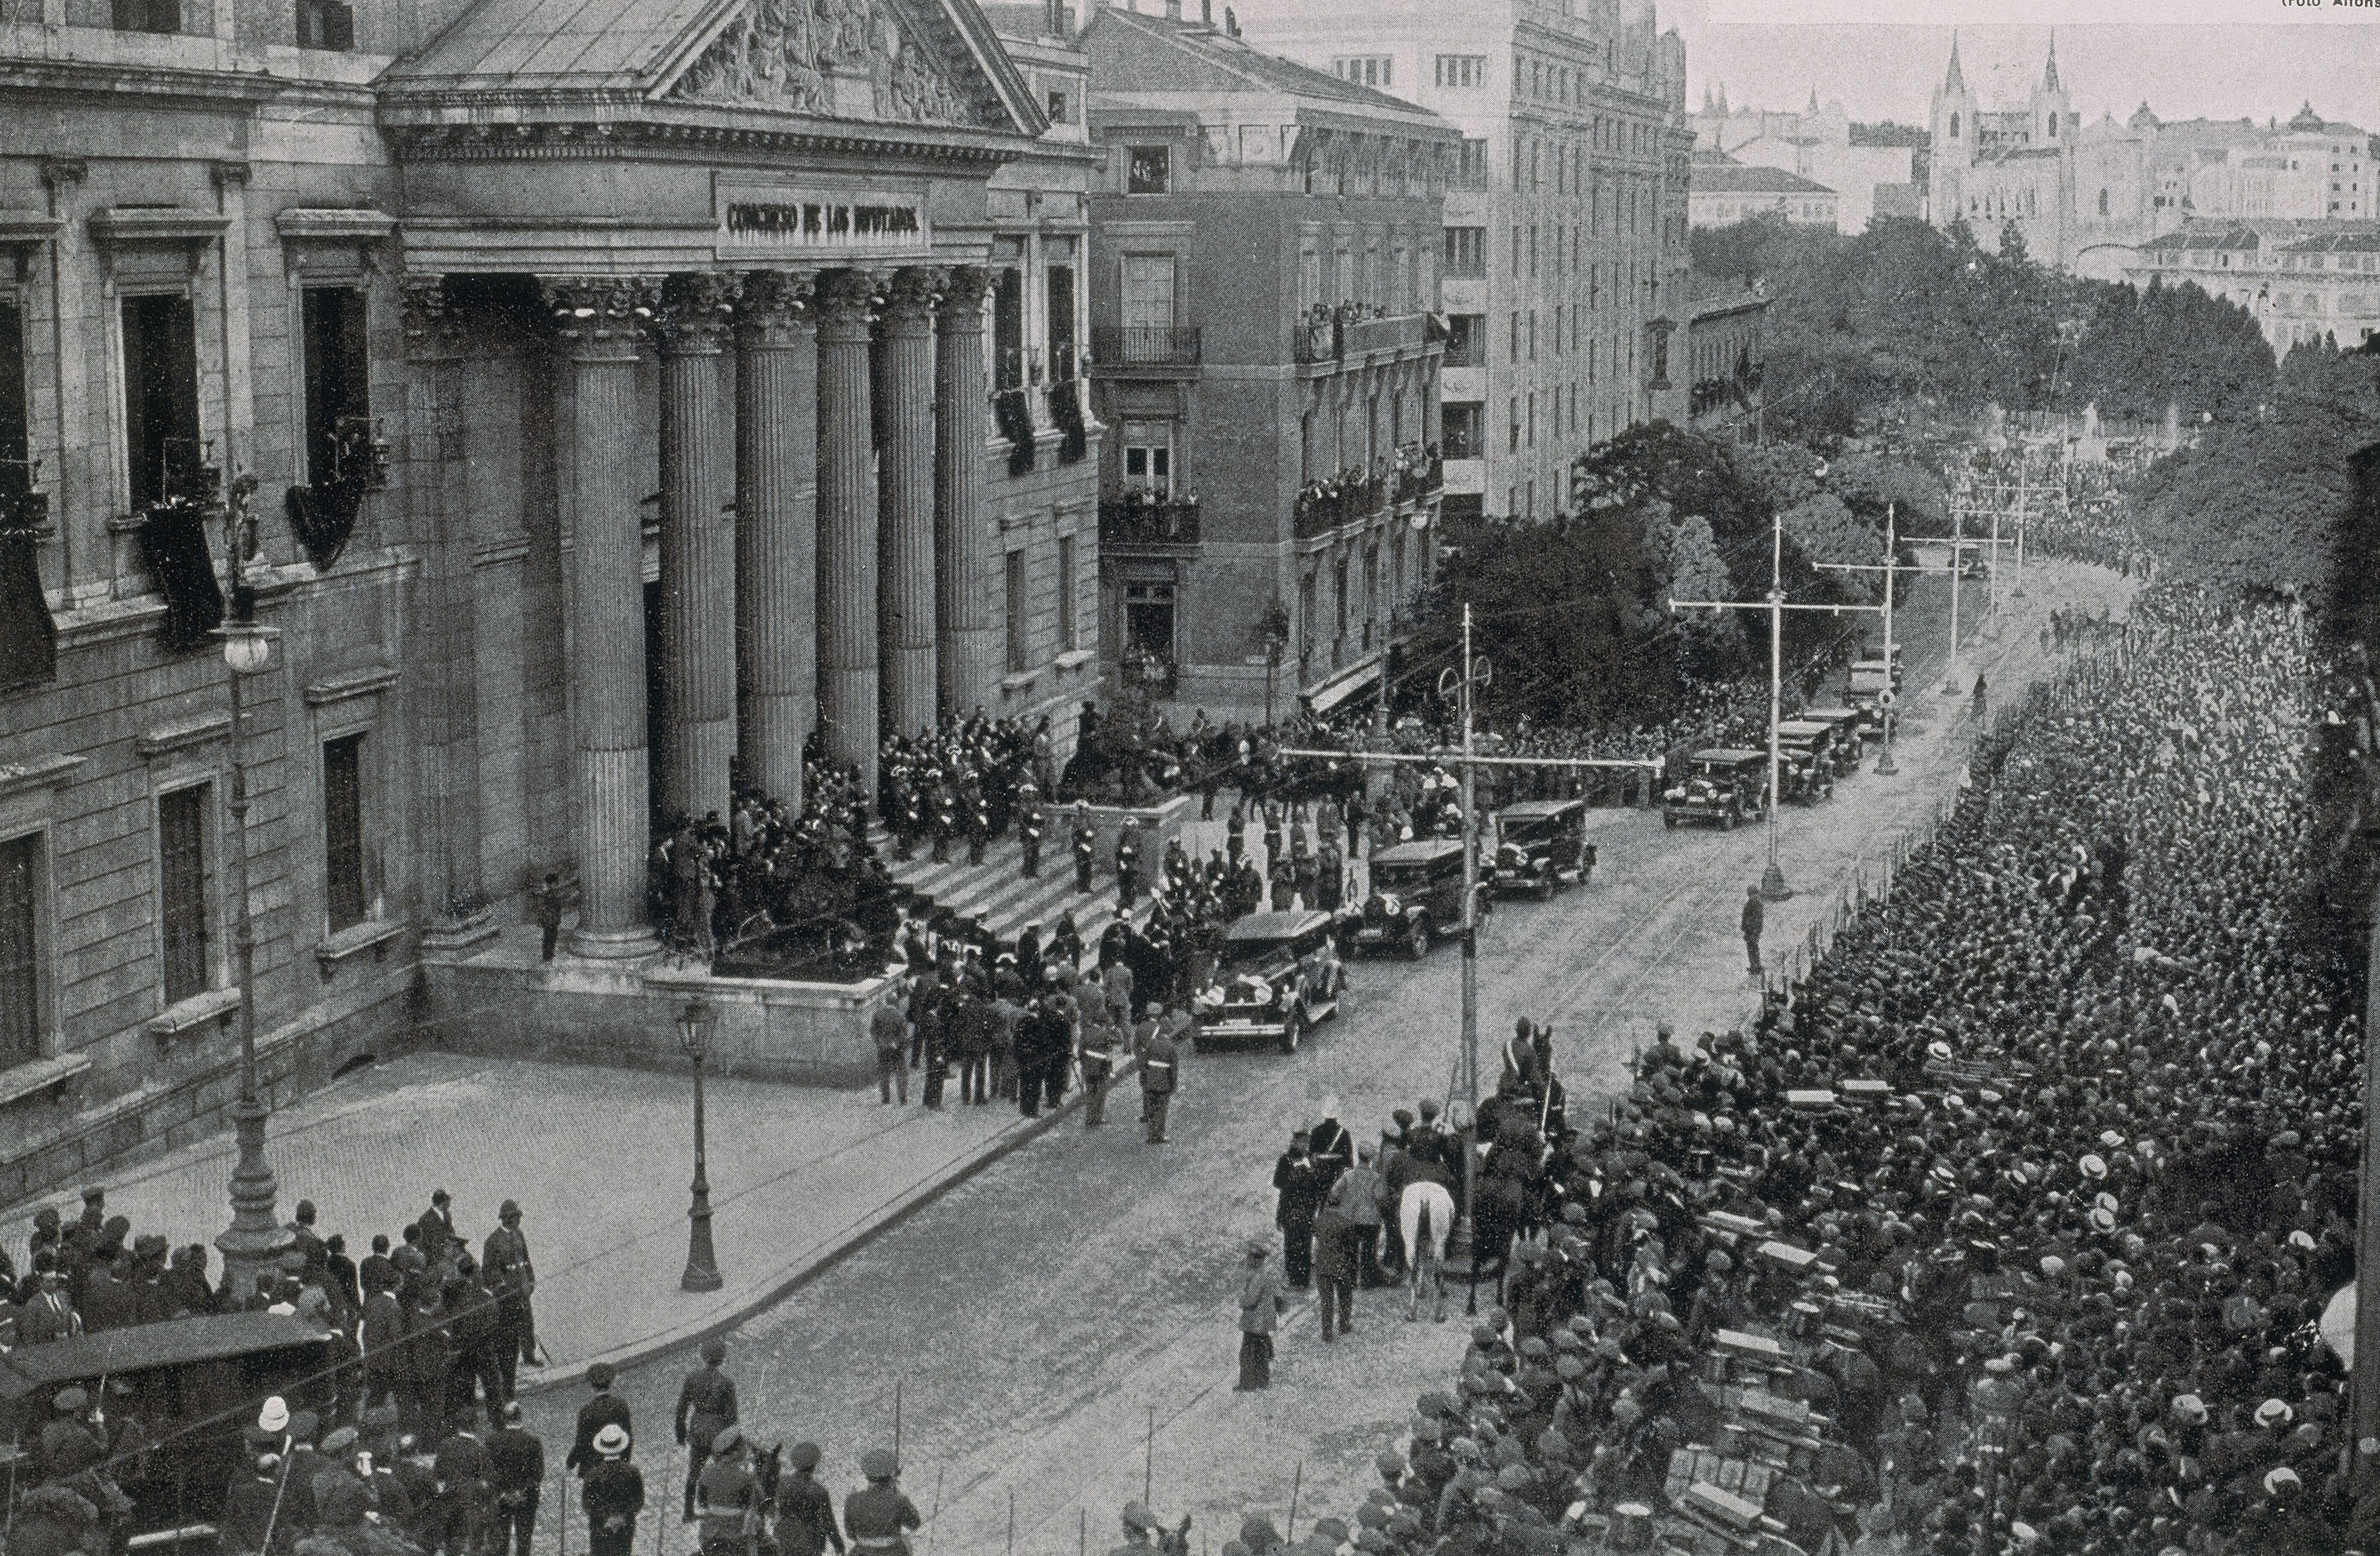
x: 996, y: 895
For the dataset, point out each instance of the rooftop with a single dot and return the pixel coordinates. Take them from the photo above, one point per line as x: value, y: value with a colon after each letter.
x: 1737, y: 179
x: 1154, y: 54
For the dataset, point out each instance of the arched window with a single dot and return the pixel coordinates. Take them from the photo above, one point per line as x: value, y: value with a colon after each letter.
x: 1954, y: 127
x: 2103, y: 203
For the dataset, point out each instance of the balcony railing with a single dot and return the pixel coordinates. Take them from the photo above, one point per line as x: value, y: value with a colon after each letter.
x: 1420, y: 472
x: 1330, y: 334
x: 1345, y: 498
x: 1142, y: 518
x: 1134, y: 346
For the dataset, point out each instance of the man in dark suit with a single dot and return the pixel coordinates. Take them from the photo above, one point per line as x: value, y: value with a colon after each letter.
x: 605, y: 1409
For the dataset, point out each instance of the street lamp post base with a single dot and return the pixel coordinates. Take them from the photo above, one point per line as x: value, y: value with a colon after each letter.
x: 702, y: 1263
x: 254, y: 1241
x: 1885, y: 766
x: 1772, y: 884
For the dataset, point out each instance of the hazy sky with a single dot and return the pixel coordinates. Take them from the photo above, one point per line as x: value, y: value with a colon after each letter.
x: 1770, y: 54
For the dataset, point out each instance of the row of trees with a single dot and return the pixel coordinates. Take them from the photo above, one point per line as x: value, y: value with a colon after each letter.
x: 1904, y: 311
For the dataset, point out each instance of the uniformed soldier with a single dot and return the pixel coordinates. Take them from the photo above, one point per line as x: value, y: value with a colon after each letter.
x: 1272, y: 830
x: 1159, y: 1062
x: 1096, y: 1049
x: 1237, y: 833
x: 1330, y: 876
x: 1127, y: 864
x: 945, y: 817
x: 806, y: 1524
x: 614, y: 1495
x: 1029, y: 824
x: 977, y: 820
x: 878, y: 1519
x: 727, y: 1497
x: 908, y: 813
x: 706, y: 1407
x: 1284, y: 882
x: 1086, y: 842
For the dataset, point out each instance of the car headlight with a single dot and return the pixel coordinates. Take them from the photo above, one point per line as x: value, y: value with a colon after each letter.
x: 1271, y: 995
x: 1213, y: 996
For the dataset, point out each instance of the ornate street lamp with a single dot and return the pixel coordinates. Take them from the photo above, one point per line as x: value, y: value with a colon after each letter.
x: 254, y: 1240
x: 694, y: 1027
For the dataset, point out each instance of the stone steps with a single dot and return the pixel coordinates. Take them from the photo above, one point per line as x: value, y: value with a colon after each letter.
x: 996, y: 895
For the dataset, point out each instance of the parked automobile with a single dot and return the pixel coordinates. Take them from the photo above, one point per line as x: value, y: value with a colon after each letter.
x: 1279, y: 974
x: 1541, y: 846
x: 1416, y: 895
x: 1849, y: 732
x: 1724, y: 784
x: 1807, y: 759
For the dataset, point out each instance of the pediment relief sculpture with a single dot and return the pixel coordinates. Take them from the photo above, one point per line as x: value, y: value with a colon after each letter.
x: 801, y: 55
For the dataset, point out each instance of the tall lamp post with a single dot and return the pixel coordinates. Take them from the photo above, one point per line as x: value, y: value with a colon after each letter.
x: 1276, y: 648
x: 694, y: 1027
x: 254, y: 1241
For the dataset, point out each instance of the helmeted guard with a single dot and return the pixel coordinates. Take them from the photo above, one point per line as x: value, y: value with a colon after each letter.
x: 976, y: 816
x: 1127, y: 863
x: 1029, y: 825
x: 1087, y: 845
x: 908, y: 812
x: 1237, y: 831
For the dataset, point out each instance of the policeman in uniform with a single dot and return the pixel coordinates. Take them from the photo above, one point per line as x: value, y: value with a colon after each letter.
x: 706, y: 1407
x: 878, y: 1519
x: 1159, y: 1059
x: 978, y: 820
x: 726, y: 1499
x: 510, y: 1275
x: 1087, y: 839
x: 1096, y: 1049
x: 1237, y: 828
x: 1127, y: 864
x: 1029, y: 827
x: 946, y: 815
x: 1330, y: 876
x: 1272, y: 830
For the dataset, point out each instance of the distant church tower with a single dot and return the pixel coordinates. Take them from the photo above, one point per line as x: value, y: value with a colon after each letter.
x: 2053, y: 117
x: 1954, y: 131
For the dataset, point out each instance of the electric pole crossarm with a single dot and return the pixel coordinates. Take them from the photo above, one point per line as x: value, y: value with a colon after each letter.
x: 1440, y: 758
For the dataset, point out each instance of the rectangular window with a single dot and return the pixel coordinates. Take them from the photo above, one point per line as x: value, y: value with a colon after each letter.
x: 1148, y: 457
x: 1062, y: 106
x: 1149, y: 619
x: 1016, y: 622
x: 1459, y: 426
x: 1512, y: 348
x: 16, y: 427
x: 1474, y: 163
x: 1466, y: 252
x: 182, y: 880
x: 161, y: 397
x: 343, y: 831
x: 1365, y: 70
x: 21, y: 967
x: 1340, y: 585
x: 338, y: 380
x: 1149, y: 170
x: 1461, y: 69
x: 1062, y: 355
x: 1066, y: 640
x: 1467, y: 339
x: 1148, y: 307
x: 148, y: 16
x: 325, y: 24
x: 1512, y: 438
x: 1008, y: 327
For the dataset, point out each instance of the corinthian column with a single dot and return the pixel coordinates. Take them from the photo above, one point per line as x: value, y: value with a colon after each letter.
x: 698, y: 733
x: 905, y: 609
x: 968, y: 651
x: 776, y: 531
x: 846, y: 549
x: 599, y: 318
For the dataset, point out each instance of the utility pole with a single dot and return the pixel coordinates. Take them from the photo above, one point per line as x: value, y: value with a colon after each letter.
x: 1466, y: 1229
x: 1772, y: 880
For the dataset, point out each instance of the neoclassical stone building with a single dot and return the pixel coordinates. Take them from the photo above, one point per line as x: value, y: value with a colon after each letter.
x: 596, y: 398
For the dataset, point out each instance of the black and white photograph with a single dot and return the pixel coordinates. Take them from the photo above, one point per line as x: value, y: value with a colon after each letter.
x: 1189, y: 777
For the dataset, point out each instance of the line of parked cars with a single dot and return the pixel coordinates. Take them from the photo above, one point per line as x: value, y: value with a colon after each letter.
x: 1726, y: 785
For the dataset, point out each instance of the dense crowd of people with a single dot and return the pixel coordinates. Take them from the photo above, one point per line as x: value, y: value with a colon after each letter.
x: 2004, y: 1231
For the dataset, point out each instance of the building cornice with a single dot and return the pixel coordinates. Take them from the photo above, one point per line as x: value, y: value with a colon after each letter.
x: 536, y: 125
x: 240, y: 91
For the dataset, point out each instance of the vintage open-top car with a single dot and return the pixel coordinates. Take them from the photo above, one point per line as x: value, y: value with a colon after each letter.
x: 192, y: 1384
x: 1416, y: 895
x: 1541, y: 846
x: 1279, y: 974
x: 1724, y: 783
x: 1807, y: 759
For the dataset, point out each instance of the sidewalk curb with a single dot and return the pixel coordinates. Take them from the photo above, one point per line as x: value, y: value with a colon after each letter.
x: 786, y: 1281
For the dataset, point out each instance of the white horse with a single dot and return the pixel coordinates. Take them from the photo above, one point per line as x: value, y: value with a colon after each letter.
x: 1426, y: 1216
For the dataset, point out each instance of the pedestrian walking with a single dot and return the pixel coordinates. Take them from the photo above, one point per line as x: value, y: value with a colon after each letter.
x: 878, y: 1517
x: 613, y: 1494
x: 706, y: 1407
x: 605, y: 1409
x: 513, y: 1278
x: 1980, y: 699
x: 517, y: 1465
x: 889, y: 1030
x: 1159, y: 1060
x: 1297, y: 1199
x: 1335, y: 1267
x: 1357, y: 1194
x: 1756, y: 917
x: 554, y: 899
x: 1261, y: 1306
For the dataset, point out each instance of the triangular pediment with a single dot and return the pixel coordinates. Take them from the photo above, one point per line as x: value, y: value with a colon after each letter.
x: 924, y: 62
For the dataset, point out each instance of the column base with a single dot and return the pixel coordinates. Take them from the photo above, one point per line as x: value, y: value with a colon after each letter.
x: 614, y: 945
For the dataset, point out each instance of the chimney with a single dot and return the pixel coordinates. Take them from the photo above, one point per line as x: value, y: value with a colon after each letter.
x: 1055, y: 18
x: 1206, y: 13
x: 1173, y: 10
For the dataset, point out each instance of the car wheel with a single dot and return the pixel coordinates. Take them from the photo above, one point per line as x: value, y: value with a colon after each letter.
x: 1545, y: 884
x: 1417, y: 940
x: 1727, y: 821
x: 1292, y: 1031
x: 1669, y: 822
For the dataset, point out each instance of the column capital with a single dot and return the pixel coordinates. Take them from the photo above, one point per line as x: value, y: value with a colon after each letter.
x: 598, y: 316
x: 696, y: 312
x: 845, y: 300
x: 909, y: 303
x: 965, y: 290
x: 778, y: 310
x: 432, y: 326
